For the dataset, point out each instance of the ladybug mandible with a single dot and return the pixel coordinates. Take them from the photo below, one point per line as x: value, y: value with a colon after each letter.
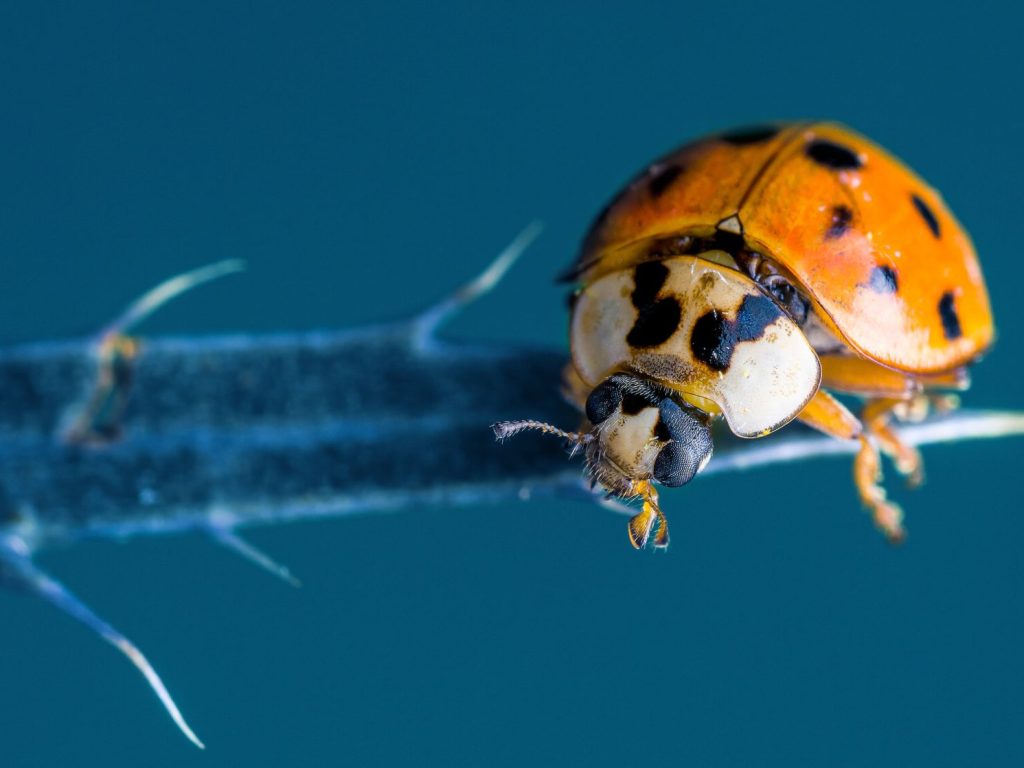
x: 746, y: 276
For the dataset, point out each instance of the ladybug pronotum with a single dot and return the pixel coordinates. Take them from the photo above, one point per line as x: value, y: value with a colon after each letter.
x: 748, y: 275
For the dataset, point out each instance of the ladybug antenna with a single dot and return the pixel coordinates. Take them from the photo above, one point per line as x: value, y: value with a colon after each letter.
x: 503, y: 430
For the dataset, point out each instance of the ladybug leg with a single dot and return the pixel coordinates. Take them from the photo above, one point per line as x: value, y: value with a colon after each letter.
x: 828, y: 415
x: 867, y: 474
x: 877, y: 416
x: 889, y: 393
x: 641, y: 525
x: 661, y: 533
x: 857, y: 376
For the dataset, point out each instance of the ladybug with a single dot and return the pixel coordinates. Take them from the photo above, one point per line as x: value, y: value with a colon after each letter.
x: 749, y: 275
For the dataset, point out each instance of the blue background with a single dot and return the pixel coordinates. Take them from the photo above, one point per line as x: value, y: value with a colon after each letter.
x: 366, y: 159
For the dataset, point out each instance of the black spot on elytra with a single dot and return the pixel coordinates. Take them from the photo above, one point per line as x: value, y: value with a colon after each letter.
x: 647, y: 280
x: 715, y: 337
x: 655, y: 324
x: 950, y: 319
x: 833, y: 155
x: 841, y: 218
x: 883, y: 280
x: 756, y: 313
x: 751, y: 135
x: 710, y: 341
x: 657, y: 319
x: 927, y: 214
x: 662, y: 179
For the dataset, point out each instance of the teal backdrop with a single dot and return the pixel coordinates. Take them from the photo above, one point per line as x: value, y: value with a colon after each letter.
x: 366, y: 158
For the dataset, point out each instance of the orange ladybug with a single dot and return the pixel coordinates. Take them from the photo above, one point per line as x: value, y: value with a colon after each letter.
x: 746, y: 276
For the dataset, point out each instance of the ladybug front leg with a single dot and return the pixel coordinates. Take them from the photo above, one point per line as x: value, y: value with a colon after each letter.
x: 828, y: 415
x: 650, y: 518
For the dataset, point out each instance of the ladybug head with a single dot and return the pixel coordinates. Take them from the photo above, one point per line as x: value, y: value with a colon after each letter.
x: 639, y: 433
x: 643, y: 433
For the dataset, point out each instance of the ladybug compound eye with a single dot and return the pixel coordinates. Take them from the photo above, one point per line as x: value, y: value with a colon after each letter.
x: 630, y: 393
x: 603, y: 401
x: 644, y: 433
x: 689, y: 445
